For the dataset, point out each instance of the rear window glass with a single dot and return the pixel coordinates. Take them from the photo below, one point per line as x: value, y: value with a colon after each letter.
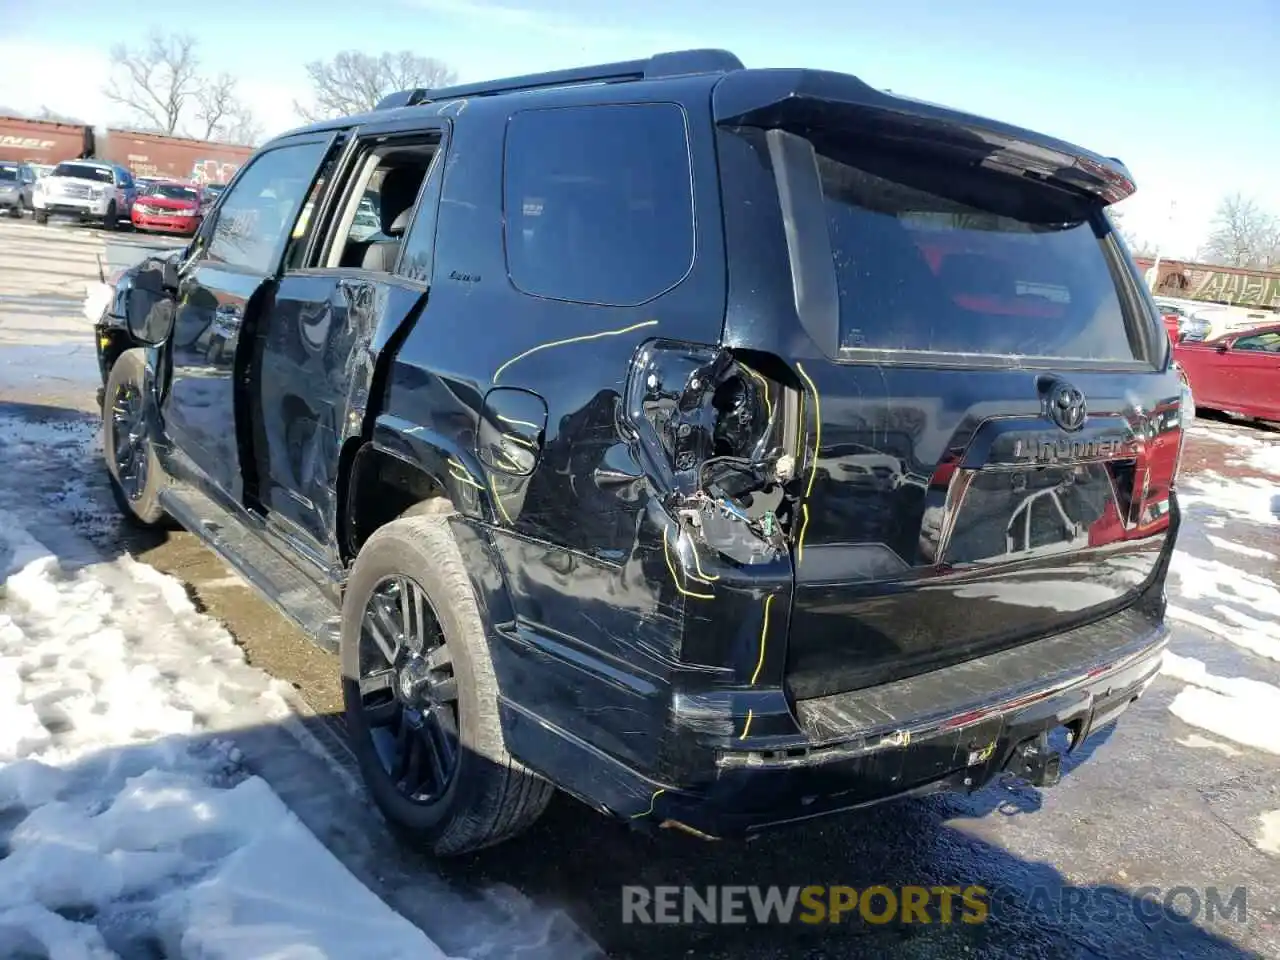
x: 8, y: 173
x: 599, y: 202
x: 81, y: 171
x: 930, y: 257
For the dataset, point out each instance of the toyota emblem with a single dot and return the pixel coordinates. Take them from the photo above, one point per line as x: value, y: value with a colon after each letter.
x: 1067, y: 407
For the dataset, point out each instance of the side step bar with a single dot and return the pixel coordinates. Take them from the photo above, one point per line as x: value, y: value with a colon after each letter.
x: 278, y: 581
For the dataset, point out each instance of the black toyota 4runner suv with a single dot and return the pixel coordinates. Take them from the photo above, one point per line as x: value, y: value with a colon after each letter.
x: 724, y: 447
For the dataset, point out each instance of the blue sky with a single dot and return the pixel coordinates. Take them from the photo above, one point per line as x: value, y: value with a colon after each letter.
x: 1187, y: 95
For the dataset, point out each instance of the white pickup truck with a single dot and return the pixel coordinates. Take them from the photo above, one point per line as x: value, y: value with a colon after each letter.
x: 86, y: 190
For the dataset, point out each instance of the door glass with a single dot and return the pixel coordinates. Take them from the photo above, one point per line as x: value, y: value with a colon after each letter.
x: 296, y: 248
x: 260, y: 210
x: 380, y: 206
x: 1268, y: 342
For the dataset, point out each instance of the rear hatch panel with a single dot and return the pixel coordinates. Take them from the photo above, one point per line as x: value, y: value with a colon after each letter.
x: 988, y: 427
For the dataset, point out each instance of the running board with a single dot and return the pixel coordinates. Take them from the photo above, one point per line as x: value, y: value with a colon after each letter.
x: 280, y: 583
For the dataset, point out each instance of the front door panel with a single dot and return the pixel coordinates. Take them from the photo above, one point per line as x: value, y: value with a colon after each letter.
x: 200, y: 409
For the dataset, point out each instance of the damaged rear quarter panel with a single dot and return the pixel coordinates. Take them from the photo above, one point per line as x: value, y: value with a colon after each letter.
x: 601, y: 637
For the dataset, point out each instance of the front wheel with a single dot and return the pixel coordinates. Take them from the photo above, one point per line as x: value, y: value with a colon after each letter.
x: 135, y: 470
x: 42, y: 216
x: 109, y: 221
x: 421, y: 698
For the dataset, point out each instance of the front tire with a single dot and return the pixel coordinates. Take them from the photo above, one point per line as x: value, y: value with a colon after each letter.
x: 109, y: 220
x: 137, y: 476
x: 42, y: 217
x: 421, y: 697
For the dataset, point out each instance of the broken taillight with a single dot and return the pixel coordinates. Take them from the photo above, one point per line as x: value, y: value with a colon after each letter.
x: 709, y: 434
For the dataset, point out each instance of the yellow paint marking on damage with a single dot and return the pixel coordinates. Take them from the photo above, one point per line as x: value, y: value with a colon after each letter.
x: 582, y: 339
x: 462, y: 473
x: 817, y: 429
x: 764, y: 636
x: 804, y: 525
x: 502, y: 508
x: 519, y: 423
x: 697, y: 565
x: 652, y: 801
x: 666, y: 551
x: 520, y: 441
x: 511, y: 464
x: 746, y: 727
x: 768, y: 404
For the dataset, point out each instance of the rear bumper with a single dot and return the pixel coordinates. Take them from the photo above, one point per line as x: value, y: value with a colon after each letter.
x: 957, y: 728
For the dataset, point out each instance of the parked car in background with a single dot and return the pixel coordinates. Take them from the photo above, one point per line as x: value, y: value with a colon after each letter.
x: 1237, y: 374
x: 168, y: 207
x: 86, y: 190
x: 17, y: 181
x: 209, y: 194
x: 585, y: 495
x: 1182, y: 320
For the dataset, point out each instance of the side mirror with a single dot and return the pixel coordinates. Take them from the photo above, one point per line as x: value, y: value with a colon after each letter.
x: 1221, y: 347
x: 150, y: 305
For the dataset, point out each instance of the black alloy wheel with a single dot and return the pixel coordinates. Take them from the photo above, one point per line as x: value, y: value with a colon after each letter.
x: 408, y: 691
x: 130, y: 432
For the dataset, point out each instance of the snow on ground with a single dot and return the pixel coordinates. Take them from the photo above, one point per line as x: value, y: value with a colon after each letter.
x: 128, y: 823
x: 1237, y: 498
x: 1257, y: 449
x: 1230, y: 707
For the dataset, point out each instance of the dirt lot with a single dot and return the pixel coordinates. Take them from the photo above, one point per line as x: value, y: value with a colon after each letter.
x: 1157, y: 804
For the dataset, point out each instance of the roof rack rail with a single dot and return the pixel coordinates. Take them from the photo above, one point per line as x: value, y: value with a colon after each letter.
x: 672, y: 64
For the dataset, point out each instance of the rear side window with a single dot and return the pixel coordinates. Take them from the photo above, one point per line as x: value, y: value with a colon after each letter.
x: 599, y: 202
x: 930, y: 256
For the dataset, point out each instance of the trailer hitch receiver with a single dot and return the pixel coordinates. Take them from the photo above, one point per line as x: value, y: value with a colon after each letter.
x: 1035, y: 761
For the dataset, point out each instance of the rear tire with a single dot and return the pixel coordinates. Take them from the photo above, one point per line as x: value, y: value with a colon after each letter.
x: 137, y: 476
x: 487, y: 796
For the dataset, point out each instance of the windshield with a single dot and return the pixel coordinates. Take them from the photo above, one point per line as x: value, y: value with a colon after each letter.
x: 82, y: 171
x: 932, y: 256
x: 172, y: 191
x: 8, y: 173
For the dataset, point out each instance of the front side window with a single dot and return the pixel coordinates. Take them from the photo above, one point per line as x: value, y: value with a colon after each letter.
x: 8, y: 174
x: 257, y: 215
x: 932, y: 256
x: 598, y: 202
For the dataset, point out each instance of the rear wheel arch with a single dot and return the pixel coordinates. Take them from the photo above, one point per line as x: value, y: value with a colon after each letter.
x: 376, y: 487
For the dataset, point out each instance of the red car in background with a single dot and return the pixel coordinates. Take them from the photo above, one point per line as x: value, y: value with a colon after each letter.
x: 168, y: 207
x: 1238, y: 373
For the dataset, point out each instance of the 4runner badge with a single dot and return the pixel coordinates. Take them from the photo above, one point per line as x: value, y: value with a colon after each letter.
x: 1067, y: 407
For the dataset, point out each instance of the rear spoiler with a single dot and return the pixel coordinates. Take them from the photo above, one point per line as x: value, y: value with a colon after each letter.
x: 795, y: 99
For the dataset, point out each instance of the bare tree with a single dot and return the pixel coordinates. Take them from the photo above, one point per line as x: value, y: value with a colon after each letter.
x: 44, y: 113
x: 162, y: 86
x: 354, y: 82
x: 156, y: 80
x: 1244, y: 235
